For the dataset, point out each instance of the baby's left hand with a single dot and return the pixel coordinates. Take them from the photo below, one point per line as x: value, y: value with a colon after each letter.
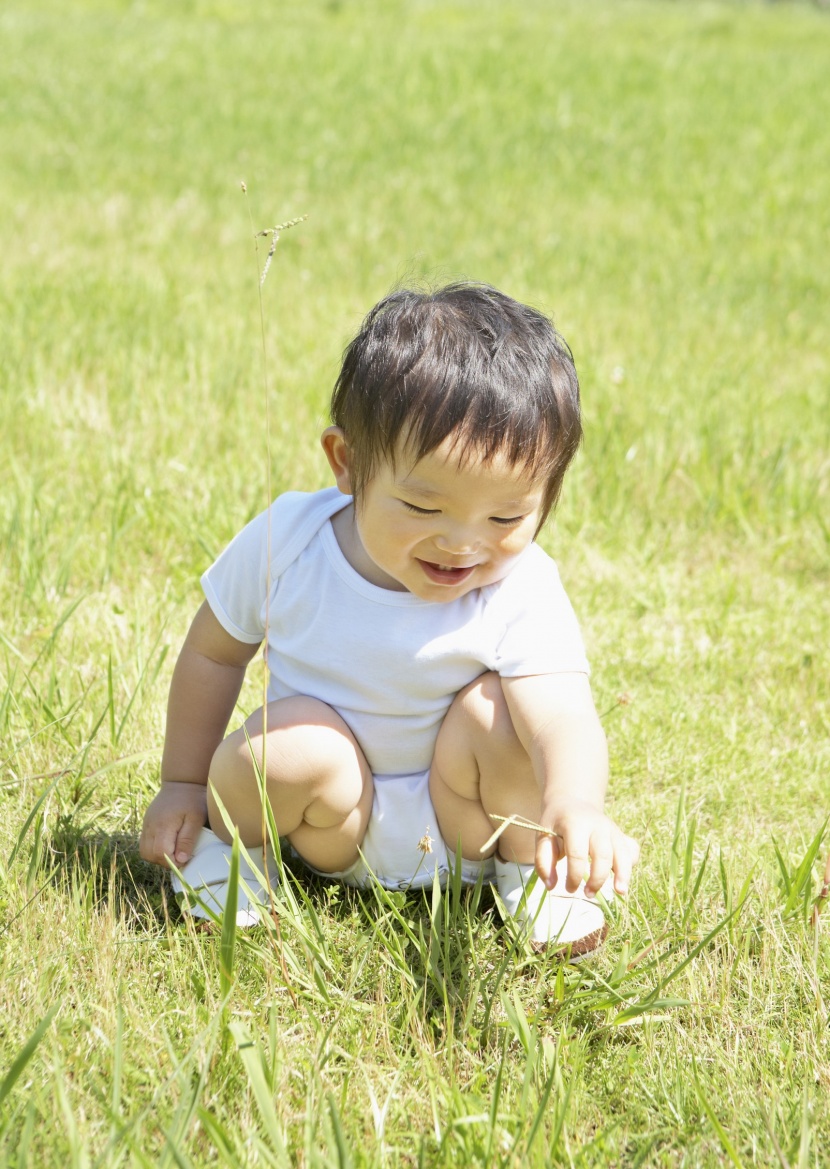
x: 594, y: 845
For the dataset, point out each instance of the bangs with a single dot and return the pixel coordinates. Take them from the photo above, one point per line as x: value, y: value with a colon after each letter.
x: 465, y: 365
x: 471, y: 412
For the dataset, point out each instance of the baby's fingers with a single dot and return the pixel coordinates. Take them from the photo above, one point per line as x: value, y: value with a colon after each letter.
x: 576, y: 847
x: 157, y: 843
x: 626, y: 855
x: 547, y: 857
x: 602, y: 862
x: 185, y: 841
x: 572, y: 849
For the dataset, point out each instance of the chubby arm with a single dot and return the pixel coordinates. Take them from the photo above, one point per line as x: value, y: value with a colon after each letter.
x: 557, y: 723
x: 206, y: 684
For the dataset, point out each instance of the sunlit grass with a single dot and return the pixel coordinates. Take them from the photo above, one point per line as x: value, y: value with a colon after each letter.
x: 655, y: 176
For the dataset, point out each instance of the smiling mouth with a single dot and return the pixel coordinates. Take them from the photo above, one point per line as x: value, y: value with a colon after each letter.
x: 446, y: 576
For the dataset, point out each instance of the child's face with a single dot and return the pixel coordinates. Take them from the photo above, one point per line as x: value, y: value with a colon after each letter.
x: 441, y: 527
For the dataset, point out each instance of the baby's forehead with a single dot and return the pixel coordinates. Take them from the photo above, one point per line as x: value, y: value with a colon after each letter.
x: 451, y: 462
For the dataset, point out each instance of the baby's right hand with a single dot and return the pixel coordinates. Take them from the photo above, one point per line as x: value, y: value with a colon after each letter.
x: 173, y: 822
x: 593, y: 844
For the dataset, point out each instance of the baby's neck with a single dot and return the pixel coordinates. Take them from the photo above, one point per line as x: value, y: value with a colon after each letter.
x: 348, y: 539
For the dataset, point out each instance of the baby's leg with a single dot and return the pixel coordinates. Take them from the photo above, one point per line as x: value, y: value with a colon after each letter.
x: 317, y: 780
x: 480, y: 767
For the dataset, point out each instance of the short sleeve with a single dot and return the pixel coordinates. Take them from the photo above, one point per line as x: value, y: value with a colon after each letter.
x: 536, y: 628
x: 236, y: 583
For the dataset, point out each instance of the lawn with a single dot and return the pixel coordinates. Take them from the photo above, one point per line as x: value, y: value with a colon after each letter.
x: 654, y: 175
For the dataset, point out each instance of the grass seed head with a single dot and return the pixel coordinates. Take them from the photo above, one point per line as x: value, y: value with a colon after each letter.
x: 426, y: 842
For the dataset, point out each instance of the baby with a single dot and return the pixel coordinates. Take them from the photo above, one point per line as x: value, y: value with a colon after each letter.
x: 427, y: 674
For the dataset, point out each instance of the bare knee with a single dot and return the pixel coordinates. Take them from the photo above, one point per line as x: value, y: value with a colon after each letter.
x: 231, y: 764
x: 479, y: 767
x: 482, y: 710
x: 295, y: 736
x: 305, y: 755
x: 297, y: 713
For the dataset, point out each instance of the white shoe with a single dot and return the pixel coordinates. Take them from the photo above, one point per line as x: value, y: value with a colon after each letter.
x: 569, y: 922
x: 205, y: 884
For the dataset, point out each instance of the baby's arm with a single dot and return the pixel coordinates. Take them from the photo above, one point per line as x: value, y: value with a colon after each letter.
x: 206, y: 684
x: 557, y: 723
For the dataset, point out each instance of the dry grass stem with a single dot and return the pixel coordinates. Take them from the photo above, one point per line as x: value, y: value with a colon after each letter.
x: 519, y: 822
x: 824, y: 892
x: 275, y: 233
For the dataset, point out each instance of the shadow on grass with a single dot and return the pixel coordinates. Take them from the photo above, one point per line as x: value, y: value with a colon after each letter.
x: 109, y: 867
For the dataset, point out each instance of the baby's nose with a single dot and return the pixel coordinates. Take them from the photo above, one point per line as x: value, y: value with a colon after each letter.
x: 458, y: 542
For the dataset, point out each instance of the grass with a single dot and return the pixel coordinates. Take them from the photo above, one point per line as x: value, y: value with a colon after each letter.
x: 652, y: 173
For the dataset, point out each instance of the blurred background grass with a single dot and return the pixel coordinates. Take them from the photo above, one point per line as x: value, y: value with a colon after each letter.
x: 652, y: 174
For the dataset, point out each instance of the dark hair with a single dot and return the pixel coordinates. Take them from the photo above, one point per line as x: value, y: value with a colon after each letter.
x: 464, y: 362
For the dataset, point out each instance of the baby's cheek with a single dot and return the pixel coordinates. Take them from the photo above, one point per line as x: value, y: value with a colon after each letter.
x: 515, y: 542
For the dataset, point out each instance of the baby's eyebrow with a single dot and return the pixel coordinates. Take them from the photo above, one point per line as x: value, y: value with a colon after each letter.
x: 419, y: 488
x: 416, y: 487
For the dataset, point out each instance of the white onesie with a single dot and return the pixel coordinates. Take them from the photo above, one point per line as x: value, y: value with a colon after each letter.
x: 388, y: 662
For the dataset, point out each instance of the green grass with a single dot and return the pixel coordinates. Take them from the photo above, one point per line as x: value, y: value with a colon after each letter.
x: 655, y: 175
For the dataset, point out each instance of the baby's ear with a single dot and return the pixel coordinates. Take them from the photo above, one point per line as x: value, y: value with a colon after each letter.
x: 338, y: 454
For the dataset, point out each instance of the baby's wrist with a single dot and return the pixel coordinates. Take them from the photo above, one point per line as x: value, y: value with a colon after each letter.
x: 183, y: 792
x: 563, y: 807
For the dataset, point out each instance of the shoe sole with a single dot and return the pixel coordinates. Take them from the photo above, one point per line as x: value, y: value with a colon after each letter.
x: 576, y: 951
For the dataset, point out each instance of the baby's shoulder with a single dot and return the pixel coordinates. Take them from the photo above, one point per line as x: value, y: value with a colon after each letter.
x: 533, y: 569
x: 299, y: 505
x: 530, y: 590
x: 294, y: 518
x: 273, y: 540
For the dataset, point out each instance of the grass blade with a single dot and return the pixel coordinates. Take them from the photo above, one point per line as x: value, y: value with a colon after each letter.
x: 227, y: 943
x: 251, y: 1055
x: 723, y: 1136
x: 344, y: 1157
x: 27, y: 1051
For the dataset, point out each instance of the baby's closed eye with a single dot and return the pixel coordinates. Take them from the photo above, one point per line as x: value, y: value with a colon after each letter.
x: 419, y: 510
